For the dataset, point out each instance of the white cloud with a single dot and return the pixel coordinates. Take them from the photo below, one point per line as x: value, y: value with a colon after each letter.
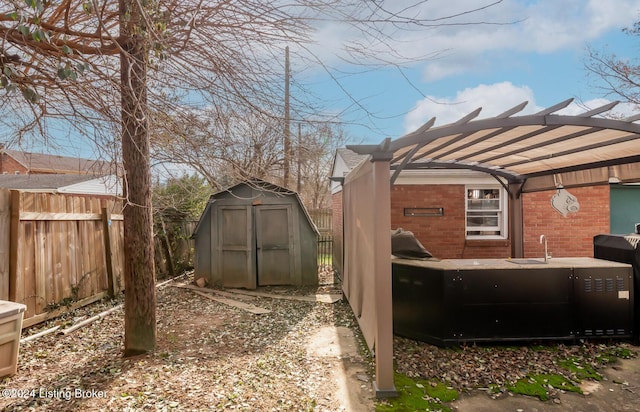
x: 513, y: 26
x: 529, y: 31
x: 546, y: 26
x: 494, y: 99
x: 556, y: 25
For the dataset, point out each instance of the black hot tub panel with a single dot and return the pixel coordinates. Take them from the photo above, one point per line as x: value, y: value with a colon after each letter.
x: 624, y: 249
x: 604, y: 302
x: 451, y: 306
x: 510, y: 304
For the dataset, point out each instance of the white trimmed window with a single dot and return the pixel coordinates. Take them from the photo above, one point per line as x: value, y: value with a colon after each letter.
x: 486, y: 212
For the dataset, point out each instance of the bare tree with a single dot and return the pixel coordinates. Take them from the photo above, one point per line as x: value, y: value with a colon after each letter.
x: 227, y: 148
x: 99, y: 66
x: 223, y: 146
x: 615, y: 75
x: 315, y: 148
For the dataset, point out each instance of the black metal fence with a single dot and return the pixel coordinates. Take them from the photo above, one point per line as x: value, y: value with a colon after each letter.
x: 322, y: 218
x: 325, y: 250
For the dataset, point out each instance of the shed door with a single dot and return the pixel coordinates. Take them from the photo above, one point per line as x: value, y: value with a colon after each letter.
x: 275, y: 246
x: 236, y: 247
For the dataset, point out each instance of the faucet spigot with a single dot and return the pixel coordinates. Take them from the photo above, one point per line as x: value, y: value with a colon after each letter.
x: 543, y: 240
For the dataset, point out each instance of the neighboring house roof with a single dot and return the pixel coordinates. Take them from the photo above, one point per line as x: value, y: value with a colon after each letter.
x: 344, y: 161
x: 63, y: 183
x: 46, y: 163
x: 351, y: 158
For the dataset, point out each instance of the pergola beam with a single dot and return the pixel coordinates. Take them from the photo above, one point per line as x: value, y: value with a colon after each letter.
x: 554, y: 108
x: 623, y: 139
x: 508, y: 142
x: 543, y: 144
x: 491, y: 170
x: 598, y: 110
x: 586, y: 166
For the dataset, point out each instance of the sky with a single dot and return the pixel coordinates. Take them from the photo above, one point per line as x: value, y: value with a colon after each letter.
x: 526, y: 50
x: 534, y: 51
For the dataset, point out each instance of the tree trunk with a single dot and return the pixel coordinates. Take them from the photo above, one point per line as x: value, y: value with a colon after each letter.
x: 139, y: 271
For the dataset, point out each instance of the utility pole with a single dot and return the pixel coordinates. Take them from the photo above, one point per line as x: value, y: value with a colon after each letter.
x: 287, y: 121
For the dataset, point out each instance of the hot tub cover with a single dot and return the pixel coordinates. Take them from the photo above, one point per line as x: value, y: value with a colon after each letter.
x: 405, y: 245
x: 619, y: 248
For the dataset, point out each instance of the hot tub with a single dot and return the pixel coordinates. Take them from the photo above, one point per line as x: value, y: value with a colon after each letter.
x: 461, y: 300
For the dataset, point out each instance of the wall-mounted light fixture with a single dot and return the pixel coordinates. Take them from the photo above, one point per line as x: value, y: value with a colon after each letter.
x: 424, y: 211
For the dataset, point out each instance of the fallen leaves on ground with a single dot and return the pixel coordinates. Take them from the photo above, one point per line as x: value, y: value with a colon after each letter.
x: 209, y: 356
x: 495, y: 367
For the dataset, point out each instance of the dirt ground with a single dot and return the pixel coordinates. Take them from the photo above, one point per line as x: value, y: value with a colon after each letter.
x: 301, y: 356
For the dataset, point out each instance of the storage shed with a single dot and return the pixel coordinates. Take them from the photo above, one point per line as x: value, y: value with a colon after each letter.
x: 256, y: 234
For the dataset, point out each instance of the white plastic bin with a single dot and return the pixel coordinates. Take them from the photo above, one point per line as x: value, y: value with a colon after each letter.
x: 11, y: 314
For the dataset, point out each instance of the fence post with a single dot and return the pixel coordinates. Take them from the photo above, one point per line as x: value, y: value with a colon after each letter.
x: 164, y: 241
x: 16, y: 283
x: 5, y: 242
x: 108, y: 258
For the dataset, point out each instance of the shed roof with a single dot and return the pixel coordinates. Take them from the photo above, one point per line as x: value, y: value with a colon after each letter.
x: 259, y: 185
x: 541, y: 151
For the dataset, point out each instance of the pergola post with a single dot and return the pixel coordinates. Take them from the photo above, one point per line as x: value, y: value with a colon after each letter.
x: 516, y: 229
x: 383, y: 385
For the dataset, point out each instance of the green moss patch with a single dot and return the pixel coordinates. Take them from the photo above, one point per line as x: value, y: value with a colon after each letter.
x: 615, y: 353
x: 418, y: 395
x: 580, y: 369
x: 494, y: 388
x: 537, y: 385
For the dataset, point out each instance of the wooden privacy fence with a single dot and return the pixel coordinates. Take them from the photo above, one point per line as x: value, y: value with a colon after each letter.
x: 322, y: 218
x: 59, y: 251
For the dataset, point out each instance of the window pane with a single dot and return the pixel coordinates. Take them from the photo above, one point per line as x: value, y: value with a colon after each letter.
x: 483, y: 233
x: 483, y: 204
x: 476, y: 219
x: 483, y: 194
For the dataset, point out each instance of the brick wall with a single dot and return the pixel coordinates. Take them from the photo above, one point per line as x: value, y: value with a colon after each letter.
x: 443, y: 236
x: 10, y: 166
x: 566, y: 236
x: 336, y: 205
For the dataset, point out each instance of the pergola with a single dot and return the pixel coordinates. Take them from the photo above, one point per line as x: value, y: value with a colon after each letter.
x: 527, y: 153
